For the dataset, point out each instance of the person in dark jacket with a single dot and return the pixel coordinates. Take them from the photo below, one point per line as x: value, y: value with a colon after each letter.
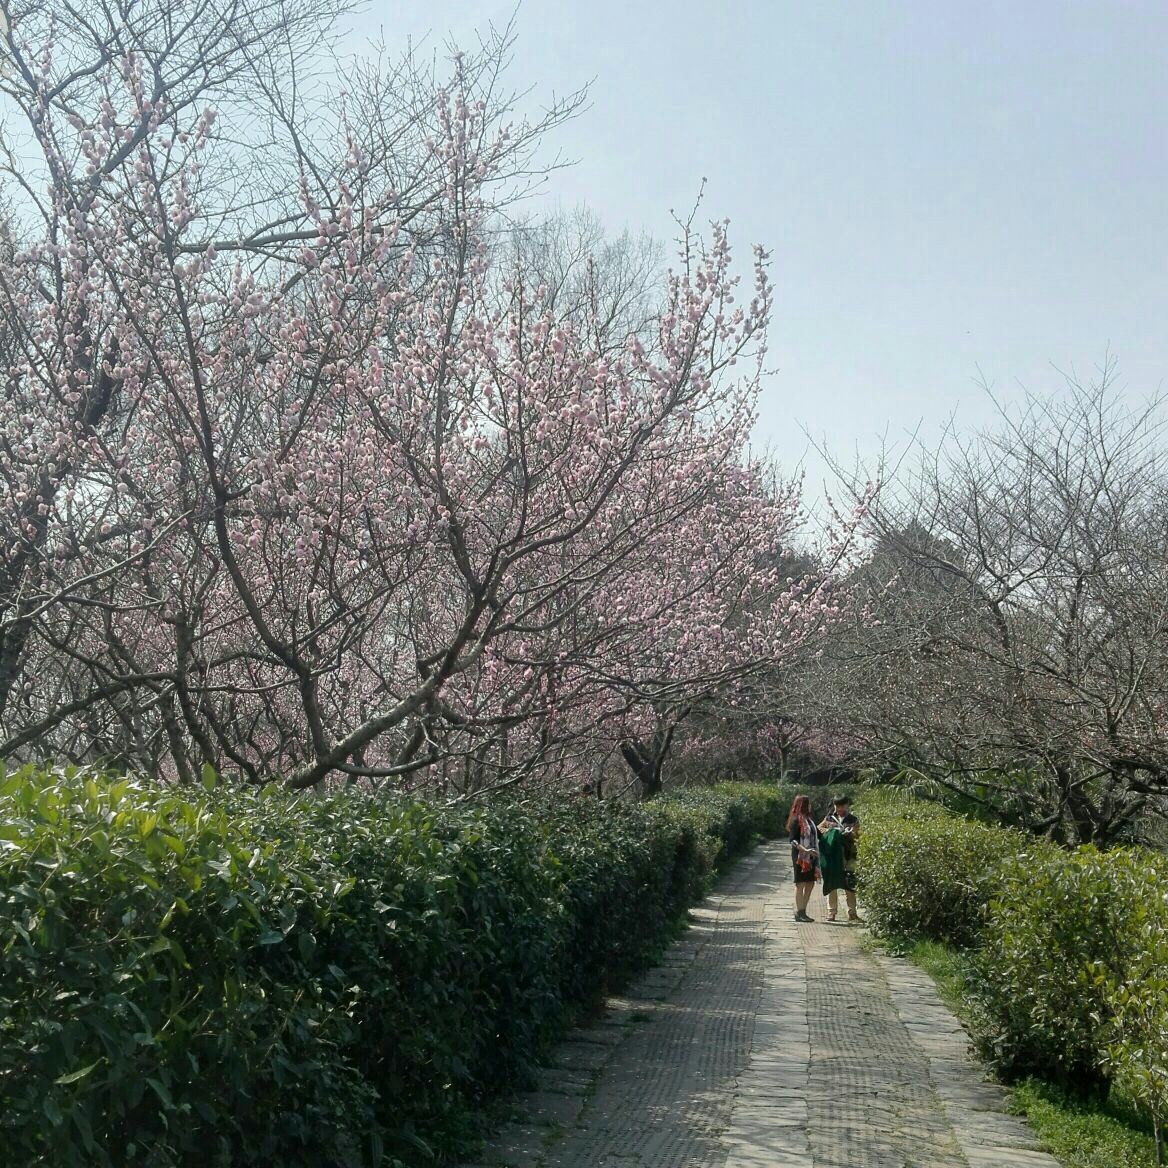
x: 804, y: 854
x: 841, y: 820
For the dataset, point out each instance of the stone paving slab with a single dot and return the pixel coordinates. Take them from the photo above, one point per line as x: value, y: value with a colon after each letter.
x: 582, y: 1056
x: 975, y: 1108
x: 516, y: 1146
x: 565, y: 1081
x: 553, y: 1108
x: 760, y: 1043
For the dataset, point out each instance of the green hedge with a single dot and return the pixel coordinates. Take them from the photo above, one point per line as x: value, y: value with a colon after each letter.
x: 1050, y: 931
x: 239, y: 977
x: 929, y: 874
x: 1051, y: 934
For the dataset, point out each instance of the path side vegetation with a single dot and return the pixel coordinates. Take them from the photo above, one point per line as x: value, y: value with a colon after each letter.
x: 1059, y: 952
x: 233, y: 977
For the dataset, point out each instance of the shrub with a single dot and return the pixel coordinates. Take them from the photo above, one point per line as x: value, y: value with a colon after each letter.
x: 241, y: 977
x: 1135, y: 1000
x: 1067, y: 948
x: 929, y: 875
x: 159, y: 995
x: 1050, y: 924
x: 635, y: 867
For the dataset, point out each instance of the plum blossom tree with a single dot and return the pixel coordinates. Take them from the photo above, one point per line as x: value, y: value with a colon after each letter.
x: 301, y: 477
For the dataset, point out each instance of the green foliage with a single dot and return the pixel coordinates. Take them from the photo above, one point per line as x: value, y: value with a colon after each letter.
x: 636, y: 867
x: 1061, y: 977
x: 222, y: 977
x: 1135, y: 1004
x: 158, y: 979
x: 1061, y: 944
x: 1083, y: 1133
x: 1050, y: 925
x: 928, y: 874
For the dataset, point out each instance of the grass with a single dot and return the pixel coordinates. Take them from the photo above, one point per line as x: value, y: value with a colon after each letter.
x: 1080, y: 1133
x: 947, y: 968
x: 1084, y: 1134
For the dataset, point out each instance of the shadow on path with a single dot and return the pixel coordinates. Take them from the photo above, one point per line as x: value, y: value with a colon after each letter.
x: 759, y: 1043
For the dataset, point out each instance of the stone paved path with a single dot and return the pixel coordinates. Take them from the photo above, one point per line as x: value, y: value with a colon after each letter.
x: 761, y: 1043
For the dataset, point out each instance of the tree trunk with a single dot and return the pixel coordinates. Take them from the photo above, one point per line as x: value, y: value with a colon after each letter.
x: 647, y: 759
x: 645, y: 764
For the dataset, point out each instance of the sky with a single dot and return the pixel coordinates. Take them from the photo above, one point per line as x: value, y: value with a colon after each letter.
x: 952, y: 192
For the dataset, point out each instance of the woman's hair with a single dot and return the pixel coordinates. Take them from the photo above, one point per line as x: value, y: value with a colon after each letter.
x: 800, y: 809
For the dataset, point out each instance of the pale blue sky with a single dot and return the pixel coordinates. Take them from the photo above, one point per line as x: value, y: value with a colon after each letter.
x: 946, y: 187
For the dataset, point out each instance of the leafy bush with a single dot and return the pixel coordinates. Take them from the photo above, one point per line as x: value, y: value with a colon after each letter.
x: 1135, y: 1000
x: 1049, y: 926
x: 236, y: 978
x: 159, y: 992
x: 928, y: 874
x: 635, y: 867
x: 1066, y: 950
